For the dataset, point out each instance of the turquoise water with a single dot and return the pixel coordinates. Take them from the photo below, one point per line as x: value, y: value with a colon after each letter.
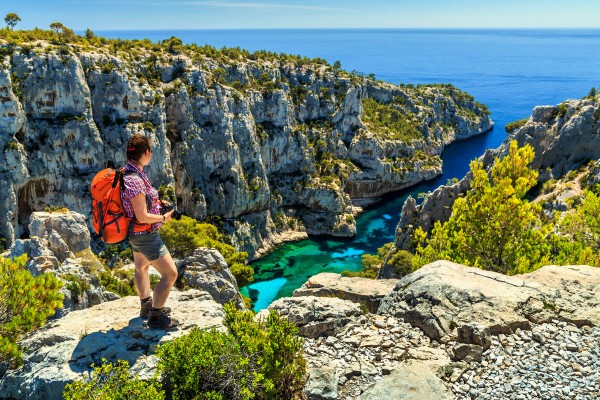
x: 510, y: 71
x: 295, y: 263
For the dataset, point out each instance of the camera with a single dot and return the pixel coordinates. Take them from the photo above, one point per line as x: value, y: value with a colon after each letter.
x: 176, y: 214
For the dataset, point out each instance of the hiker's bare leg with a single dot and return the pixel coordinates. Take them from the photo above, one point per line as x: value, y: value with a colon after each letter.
x: 141, y: 278
x: 168, y: 275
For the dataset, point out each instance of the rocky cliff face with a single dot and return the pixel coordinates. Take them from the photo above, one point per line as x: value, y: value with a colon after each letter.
x: 268, y: 145
x: 564, y: 137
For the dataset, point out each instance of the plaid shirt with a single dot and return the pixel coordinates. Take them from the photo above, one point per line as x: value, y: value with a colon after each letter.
x: 139, y: 183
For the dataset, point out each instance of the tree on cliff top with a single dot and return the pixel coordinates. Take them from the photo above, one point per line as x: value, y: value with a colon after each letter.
x: 64, y: 34
x: 493, y: 227
x: 25, y: 303
x: 11, y: 20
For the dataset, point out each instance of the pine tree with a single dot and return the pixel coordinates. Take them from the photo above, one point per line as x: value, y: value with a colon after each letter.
x: 493, y: 227
x: 25, y: 304
x: 578, y: 233
x: 11, y: 20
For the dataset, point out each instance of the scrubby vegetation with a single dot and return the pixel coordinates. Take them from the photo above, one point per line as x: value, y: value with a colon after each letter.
x: 184, y: 236
x: 25, y: 304
x: 390, y: 121
x: 400, y: 260
x: 113, y: 381
x: 62, y: 36
x: 513, y: 126
x: 254, y: 360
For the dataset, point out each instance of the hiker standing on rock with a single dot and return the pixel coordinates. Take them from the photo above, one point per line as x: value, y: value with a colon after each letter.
x: 141, y: 201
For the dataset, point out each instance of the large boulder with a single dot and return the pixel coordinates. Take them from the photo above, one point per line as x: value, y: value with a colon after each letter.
x: 206, y: 269
x: 315, y: 316
x: 66, y: 232
x: 63, y: 350
x: 364, y: 291
x: 409, y: 382
x: 443, y: 296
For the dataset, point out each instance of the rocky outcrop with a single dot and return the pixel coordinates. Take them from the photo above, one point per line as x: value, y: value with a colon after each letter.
x: 564, y: 137
x: 60, y: 244
x: 367, y: 292
x: 450, y: 331
x: 442, y: 297
x: 207, y: 270
x: 315, y: 316
x: 409, y: 382
x: 270, y: 146
x: 63, y: 350
x: 66, y: 232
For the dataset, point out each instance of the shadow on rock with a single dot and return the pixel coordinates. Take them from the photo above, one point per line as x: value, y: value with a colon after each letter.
x: 132, y: 343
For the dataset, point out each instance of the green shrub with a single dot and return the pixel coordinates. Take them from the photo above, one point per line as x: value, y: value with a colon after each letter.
x: 25, y: 304
x: 561, y: 110
x: 255, y: 360
x: 581, y: 225
x: 371, y: 263
x: 12, y: 145
x: 401, y: 262
x: 108, y: 67
x: 244, y: 274
x: 55, y: 209
x: 389, y: 121
x: 76, y: 285
x: 113, y: 382
x: 592, y: 93
x: 513, y: 126
x: 184, y: 236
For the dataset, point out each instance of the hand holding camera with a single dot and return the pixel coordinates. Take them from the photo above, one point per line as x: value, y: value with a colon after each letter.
x: 176, y: 215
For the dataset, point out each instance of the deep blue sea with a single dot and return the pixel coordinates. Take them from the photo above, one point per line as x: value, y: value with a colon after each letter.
x: 510, y: 71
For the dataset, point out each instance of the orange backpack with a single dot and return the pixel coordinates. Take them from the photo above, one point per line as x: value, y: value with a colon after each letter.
x: 108, y: 214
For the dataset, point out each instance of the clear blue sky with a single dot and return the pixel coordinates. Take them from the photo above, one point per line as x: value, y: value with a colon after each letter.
x: 239, y: 14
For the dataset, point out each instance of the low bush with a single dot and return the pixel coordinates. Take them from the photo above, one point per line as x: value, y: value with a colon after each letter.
x: 513, y: 126
x: 113, y: 381
x: 25, y: 304
x: 255, y: 360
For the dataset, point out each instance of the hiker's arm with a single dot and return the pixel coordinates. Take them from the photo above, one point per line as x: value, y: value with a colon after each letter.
x: 141, y: 212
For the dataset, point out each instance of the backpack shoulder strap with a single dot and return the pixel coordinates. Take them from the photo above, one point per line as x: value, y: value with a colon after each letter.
x: 125, y: 173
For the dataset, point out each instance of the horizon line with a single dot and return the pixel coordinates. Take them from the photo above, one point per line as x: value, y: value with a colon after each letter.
x: 349, y: 28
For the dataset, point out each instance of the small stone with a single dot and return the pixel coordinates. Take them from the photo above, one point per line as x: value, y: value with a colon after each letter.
x: 572, y: 347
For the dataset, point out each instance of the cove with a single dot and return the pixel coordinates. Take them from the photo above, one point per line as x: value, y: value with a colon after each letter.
x: 288, y: 267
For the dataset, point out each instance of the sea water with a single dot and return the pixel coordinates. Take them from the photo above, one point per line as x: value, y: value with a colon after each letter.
x: 511, y: 71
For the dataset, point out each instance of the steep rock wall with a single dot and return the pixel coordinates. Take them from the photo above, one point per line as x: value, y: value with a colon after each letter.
x: 268, y: 146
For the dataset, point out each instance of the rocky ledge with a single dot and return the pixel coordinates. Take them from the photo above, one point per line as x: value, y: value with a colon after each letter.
x: 442, y: 298
x: 368, y: 292
x: 65, y: 348
x: 449, y: 331
x: 445, y: 331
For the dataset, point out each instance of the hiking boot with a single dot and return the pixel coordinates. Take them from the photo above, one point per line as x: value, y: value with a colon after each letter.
x: 159, y: 319
x: 146, y: 306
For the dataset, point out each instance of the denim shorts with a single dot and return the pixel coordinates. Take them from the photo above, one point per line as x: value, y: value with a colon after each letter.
x: 150, y: 245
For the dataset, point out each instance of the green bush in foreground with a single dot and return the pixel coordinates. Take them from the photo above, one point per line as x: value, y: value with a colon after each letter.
x: 255, y: 360
x: 111, y: 382
x: 25, y: 304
